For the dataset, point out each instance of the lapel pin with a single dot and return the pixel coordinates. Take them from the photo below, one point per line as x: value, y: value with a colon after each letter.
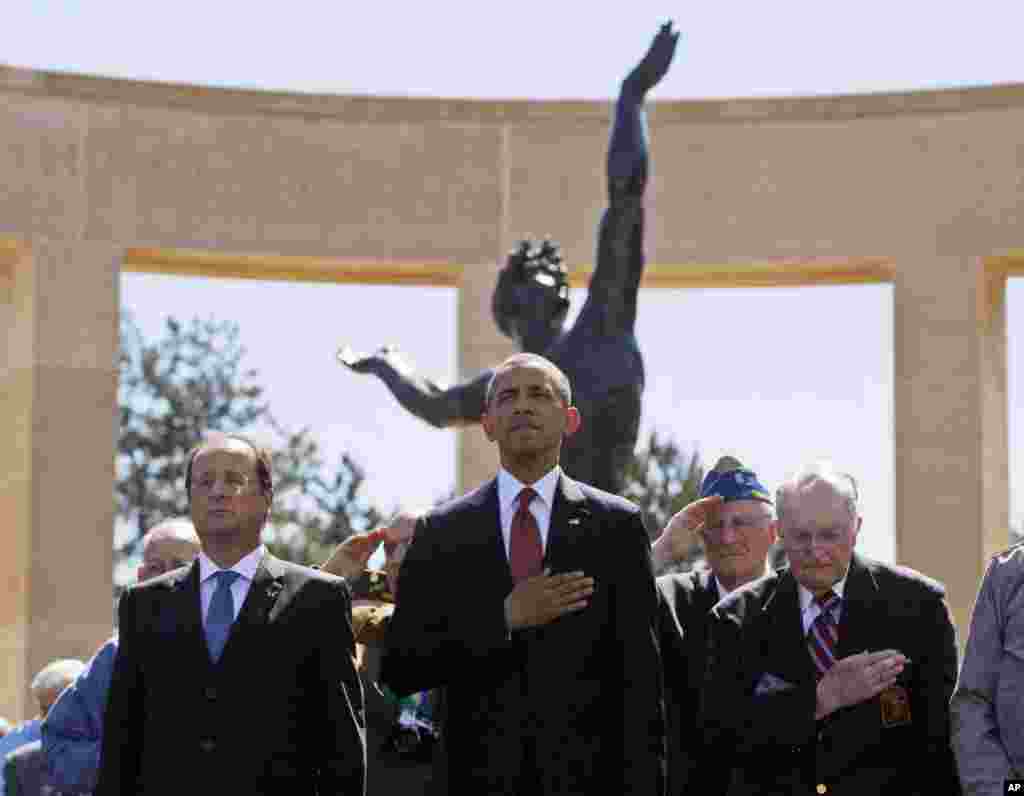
x: 574, y: 520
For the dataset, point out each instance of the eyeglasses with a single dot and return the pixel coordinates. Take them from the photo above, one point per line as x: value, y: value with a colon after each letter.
x: 804, y: 540
x: 738, y: 523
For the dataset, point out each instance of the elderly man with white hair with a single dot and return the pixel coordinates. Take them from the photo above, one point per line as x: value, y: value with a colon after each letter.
x: 832, y: 676
x: 72, y: 733
x: 46, y: 687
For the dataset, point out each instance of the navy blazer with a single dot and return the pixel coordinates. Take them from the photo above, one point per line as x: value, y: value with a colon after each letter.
x: 571, y: 707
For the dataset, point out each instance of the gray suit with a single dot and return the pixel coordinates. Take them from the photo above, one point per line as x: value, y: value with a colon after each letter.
x: 988, y: 726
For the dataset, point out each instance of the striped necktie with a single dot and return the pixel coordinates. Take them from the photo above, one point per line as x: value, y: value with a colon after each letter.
x: 823, y: 637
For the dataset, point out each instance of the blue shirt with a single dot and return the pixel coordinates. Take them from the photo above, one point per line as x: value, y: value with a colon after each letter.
x: 73, y: 728
x: 24, y: 733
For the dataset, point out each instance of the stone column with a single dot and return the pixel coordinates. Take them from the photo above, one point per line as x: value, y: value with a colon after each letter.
x: 951, y: 441
x: 481, y: 346
x: 58, y: 397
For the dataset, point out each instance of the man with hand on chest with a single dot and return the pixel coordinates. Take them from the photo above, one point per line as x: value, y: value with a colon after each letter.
x: 224, y: 674
x: 532, y: 602
x: 831, y: 676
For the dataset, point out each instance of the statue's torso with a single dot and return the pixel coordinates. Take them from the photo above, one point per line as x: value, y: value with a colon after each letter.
x: 607, y: 378
x: 598, y: 365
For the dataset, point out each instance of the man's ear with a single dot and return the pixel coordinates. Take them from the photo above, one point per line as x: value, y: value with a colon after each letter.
x: 573, y: 421
x: 488, y: 425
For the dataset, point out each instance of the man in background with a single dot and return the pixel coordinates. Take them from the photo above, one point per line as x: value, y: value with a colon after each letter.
x: 401, y: 732
x: 46, y: 687
x: 988, y: 721
x: 73, y: 730
x: 734, y: 519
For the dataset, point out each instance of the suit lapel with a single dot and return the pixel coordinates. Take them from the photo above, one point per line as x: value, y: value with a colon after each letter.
x: 189, y: 614
x: 266, y: 585
x: 707, y: 595
x: 491, y: 559
x: 570, y: 517
x: 782, y: 636
x: 861, y: 610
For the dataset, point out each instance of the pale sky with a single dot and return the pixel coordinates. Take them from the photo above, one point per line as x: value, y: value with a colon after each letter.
x: 530, y: 48
x: 775, y: 376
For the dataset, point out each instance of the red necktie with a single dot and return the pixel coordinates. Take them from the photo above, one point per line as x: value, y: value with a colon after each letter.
x: 526, y: 552
x: 824, y: 634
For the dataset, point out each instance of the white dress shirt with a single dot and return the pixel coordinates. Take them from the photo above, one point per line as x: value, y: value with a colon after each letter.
x: 809, y: 608
x: 509, y: 488
x: 246, y: 567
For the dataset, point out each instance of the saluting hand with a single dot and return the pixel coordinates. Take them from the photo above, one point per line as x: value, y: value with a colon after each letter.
x: 683, y: 531
x: 543, y: 598
x: 349, y: 558
x: 858, y: 678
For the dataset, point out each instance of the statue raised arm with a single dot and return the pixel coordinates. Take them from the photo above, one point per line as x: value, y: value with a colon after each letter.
x: 599, y: 354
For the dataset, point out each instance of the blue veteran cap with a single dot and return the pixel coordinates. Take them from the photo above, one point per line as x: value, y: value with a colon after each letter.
x: 730, y: 480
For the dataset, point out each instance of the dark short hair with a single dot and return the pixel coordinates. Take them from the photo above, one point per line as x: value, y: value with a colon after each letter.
x: 561, y: 381
x: 263, y: 462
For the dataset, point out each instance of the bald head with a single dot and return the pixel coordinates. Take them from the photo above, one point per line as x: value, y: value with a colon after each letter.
x: 171, y: 544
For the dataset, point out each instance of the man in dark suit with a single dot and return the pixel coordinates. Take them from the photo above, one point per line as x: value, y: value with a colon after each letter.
x: 532, y: 602
x: 734, y: 520
x: 224, y: 674
x: 832, y: 676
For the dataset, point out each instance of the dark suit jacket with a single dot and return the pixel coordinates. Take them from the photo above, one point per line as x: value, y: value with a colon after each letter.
x: 685, y: 601
x: 280, y: 713
x: 570, y: 707
x: 773, y: 740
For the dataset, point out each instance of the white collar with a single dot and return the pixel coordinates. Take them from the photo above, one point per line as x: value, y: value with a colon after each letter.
x: 807, y: 598
x: 246, y: 565
x: 509, y: 487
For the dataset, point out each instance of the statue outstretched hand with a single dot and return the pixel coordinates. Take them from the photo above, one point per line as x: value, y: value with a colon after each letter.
x: 654, y: 65
x: 368, y: 363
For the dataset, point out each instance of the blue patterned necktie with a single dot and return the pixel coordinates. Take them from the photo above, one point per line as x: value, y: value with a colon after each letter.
x: 823, y: 637
x: 221, y: 614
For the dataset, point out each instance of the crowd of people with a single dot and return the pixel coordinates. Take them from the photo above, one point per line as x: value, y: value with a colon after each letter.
x: 520, y: 641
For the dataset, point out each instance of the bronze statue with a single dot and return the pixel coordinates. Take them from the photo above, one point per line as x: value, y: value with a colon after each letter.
x: 599, y: 354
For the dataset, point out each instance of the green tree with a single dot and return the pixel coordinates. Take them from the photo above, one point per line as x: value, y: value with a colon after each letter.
x: 191, y: 381
x: 662, y: 478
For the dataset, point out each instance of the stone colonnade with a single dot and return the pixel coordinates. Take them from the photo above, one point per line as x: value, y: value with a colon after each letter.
x: 919, y: 189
